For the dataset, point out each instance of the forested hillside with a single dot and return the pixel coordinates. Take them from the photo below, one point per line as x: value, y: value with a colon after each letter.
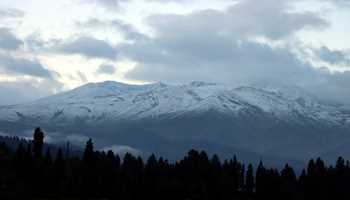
x: 29, y: 172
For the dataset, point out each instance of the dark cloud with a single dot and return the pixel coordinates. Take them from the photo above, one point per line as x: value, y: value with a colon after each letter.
x: 8, y: 41
x: 89, y: 47
x: 334, y: 57
x: 106, y: 69
x: 20, y: 66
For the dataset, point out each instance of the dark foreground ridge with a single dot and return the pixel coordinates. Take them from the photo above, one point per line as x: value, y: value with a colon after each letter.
x: 28, y: 173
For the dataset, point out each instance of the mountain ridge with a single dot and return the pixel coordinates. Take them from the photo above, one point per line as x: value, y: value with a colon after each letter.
x: 118, y: 100
x: 281, y: 121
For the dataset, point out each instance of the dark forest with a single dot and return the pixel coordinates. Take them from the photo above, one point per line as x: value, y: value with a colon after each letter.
x: 30, y: 173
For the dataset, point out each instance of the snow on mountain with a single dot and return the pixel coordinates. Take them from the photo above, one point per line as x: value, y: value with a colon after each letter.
x: 117, y: 101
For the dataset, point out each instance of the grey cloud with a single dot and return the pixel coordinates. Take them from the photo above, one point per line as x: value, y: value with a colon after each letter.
x: 78, y: 76
x: 220, y: 60
x: 338, y: 2
x: 110, y: 4
x: 129, y: 32
x: 211, y: 42
x: 172, y: 0
x: 216, y: 46
x: 10, y: 13
x: 334, y: 57
x: 22, y: 91
x: 94, y: 23
x: 82, y: 77
x: 20, y: 66
x: 115, y: 4
x: 239, y: 63
x: 106, y: 69
x: 89, y: 47
x: 34, y: 42
x: 271, y: 18
x: 8, y: 41
x: 334, y: 86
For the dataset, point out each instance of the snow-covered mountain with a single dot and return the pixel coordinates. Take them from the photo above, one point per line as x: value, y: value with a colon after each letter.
x: 262, y: 119
x: 97, y: 102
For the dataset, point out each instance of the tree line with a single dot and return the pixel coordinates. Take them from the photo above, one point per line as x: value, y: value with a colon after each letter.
x: 29, y: 173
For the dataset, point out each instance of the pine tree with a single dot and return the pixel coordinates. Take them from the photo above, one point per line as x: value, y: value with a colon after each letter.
x: 38, y: 143
x: 19, y: 161
x: 48, y: 158
x: 288, y: 183
x: 59, y: 171
x: 242, y: 178
x: 249, y: 186
x: 260, y: 179
x: 340, y: 164
x: 236, y: 173
x: 89, y: 154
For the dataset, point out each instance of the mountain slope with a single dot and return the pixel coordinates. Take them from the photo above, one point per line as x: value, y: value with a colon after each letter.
x: 266, y: 120
x: 117, y: 101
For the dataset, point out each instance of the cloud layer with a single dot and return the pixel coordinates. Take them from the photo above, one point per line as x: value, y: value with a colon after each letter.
x: 8, y: 41
x: 334, y: 57
x: 106, y: 69
x: 89, y: 47
x: 10, y: 13
x: 187, y: 48
x: 20, y: 66
x: 243, y: 42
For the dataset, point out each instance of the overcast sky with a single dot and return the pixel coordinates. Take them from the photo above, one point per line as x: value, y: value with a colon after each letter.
x: 50, y: 46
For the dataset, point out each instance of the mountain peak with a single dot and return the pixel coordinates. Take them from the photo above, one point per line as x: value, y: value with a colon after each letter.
x: 119, y: 100
x: 207, y: 111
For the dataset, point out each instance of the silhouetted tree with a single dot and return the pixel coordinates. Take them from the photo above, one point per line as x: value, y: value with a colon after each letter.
x: 25, y: 174
x: 59, y: 172
x: 20, y: 161
x: 89, y: 154
x: 260, y: 178
x: 249, y: 186
x: 38, y: 143
x: 48, y: 158
x: 288, y: 183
